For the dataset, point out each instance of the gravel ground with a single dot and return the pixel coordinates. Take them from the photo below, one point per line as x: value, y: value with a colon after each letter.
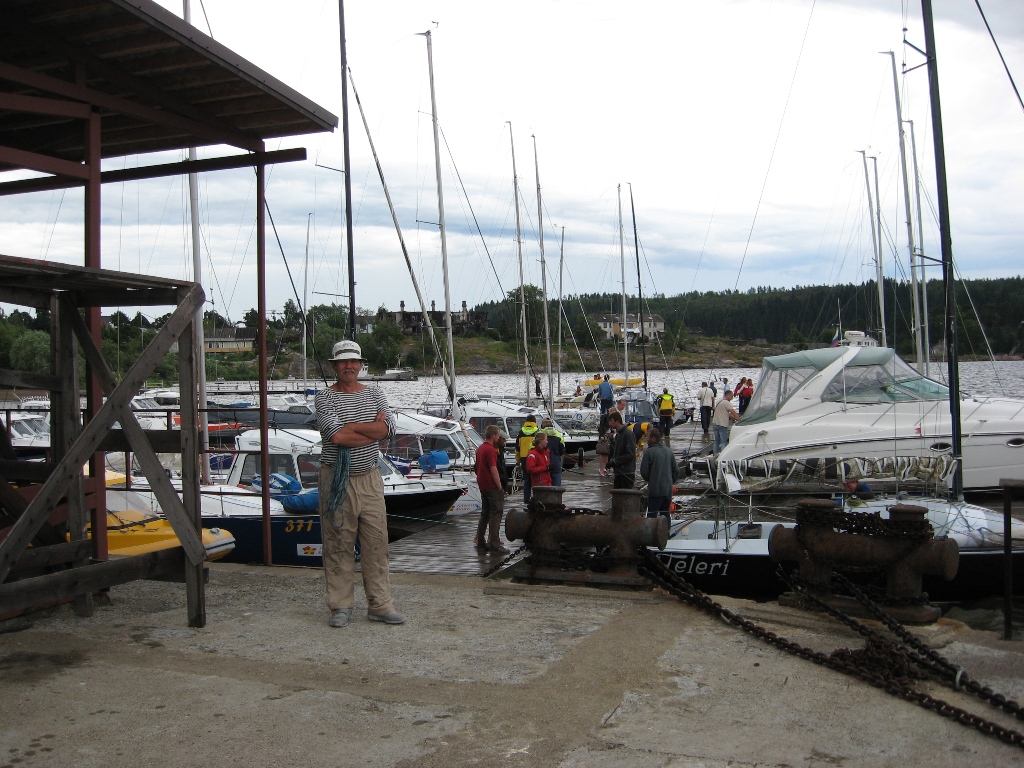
x: 482, y: 674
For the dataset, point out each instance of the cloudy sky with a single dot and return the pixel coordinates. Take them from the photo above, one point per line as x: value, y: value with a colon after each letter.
x: 736, y: 123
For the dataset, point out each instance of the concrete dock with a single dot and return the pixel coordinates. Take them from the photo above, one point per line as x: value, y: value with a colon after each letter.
x: 483, y: 673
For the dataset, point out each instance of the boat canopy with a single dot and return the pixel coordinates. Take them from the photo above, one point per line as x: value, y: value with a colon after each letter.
x: 869, y: 375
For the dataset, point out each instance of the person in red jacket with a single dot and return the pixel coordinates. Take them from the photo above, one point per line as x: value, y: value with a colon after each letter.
x: 538, y: 461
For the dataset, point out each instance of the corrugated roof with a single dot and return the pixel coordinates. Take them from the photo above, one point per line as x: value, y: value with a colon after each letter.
x: 147, y: 67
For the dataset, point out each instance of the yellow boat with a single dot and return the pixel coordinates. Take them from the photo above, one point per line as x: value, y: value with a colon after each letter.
x: 131, y: 532
x: 634, y: 381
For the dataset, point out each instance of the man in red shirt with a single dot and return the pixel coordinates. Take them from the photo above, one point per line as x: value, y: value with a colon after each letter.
x: 492, y: 493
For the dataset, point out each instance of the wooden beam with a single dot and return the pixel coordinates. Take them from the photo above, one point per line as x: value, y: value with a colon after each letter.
x: 187, y: 387
x: 26, y: 298
x: 26, y: 380
x: 158, y: 171
x: 52, y: 490
x: 216, y: 133
x: 25, y: 471
x: 160, y: 440
x: 39, y: 590
x: 34, y: 161
x: 126, y: 297
x: 40, y: 106
x: 55, y: 554
x: 170, y: 504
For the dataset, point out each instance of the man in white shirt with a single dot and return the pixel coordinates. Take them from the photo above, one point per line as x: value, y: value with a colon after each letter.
x: 706, y: 401
x: 724, y: 415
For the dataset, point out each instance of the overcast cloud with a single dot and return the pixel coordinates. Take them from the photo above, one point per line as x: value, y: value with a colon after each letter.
x: 683, y: 100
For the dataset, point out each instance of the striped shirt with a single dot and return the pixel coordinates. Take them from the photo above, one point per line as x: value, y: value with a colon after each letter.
x: 335, y: 409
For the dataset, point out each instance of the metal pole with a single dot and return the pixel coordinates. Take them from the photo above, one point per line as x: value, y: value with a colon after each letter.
x: 561, y: 265
x: 519, y: 248
x: 348, y: 176
x: 305, y: 306
x: 923, y: 278
x: 625, y: 317
x: 452, y: 391
x: 906, y: 204
x: 543, y: 279
x: 1008, y: 487
x: 947, y: 249
x: 874, y: 247
x: 878, y: 251
x: 639, y: 288
x: 261, y: 290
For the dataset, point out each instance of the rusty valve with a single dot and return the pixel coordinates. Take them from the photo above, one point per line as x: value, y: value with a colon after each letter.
x: 545, y: 526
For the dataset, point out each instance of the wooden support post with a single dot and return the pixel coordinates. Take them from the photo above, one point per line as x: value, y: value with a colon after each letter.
x: 66, y: 418
x: 187, y: 387
x: 52, y: 490
x: 170, y: 503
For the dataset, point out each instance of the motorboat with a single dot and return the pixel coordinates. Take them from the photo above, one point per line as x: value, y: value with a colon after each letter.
x: 863, y: 400
x: 29, y: 434
x: 432, y: 448
x: 284, y: 410
x: 721, y: 557
x: 412, y: 505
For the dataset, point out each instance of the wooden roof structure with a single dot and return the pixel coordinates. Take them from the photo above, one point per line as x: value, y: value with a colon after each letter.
x: 83, y: 80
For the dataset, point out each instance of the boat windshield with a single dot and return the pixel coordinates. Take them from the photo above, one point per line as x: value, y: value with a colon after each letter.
x: 892, y: 381
x: 775, y: 388
x: 309, y: 469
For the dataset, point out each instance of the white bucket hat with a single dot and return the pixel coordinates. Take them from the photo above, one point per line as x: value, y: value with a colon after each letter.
x: 346, y: 350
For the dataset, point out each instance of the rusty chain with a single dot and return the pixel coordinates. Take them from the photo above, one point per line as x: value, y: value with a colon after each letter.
x: 501, y: 564
x: 881, y: 663
x: 865, y: 523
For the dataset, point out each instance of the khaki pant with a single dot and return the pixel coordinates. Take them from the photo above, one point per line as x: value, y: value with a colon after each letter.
x: 364, y: 516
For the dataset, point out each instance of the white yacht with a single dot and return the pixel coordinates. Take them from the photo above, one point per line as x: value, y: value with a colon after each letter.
x: 865, y: 401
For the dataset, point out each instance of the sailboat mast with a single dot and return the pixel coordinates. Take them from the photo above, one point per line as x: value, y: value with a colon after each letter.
x: 348, y: 177
x: 452, y: 392
x: 199, y: 335
x: 519, y: 248
x: 639, y: 288
x: 922, y: 277
x: 305, y: 306
x: 878, y: 250
x: 543, y: 277
x: 405, y: 251
x: 947, y: 248
x: 874, y: 248
x: 625, y: 317
x: 916, y: 302
x: 561, y: 265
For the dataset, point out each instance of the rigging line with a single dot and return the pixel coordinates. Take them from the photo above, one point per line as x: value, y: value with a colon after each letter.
x: 1001, y: 58
x: 775, y: 146
x: 984, y: 335
x: 700, y: 258
x: 53, y: 229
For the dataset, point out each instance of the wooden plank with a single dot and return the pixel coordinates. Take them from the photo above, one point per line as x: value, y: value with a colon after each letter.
x: 18, y: 471
x: 161, y: 441
x: 166, y: 495
x: 126, y: 297
x: 39, y: 590
x: 26, y: 527
x: 26, y: 298
x: 195, y: 589
x: 63, y: 313
x: 20, y: 158
x: 54, y: 554
x: 26, y: 380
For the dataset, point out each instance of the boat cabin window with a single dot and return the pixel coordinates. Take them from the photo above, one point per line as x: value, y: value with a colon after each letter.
x: 893, y: 382
x: 439, y: 443
x: 404, y: 447
x: 279, y: 462
x: 309, y: 469
x: 299, y: 409
x: 512, y: 425
x: 774, y: 388
x: 481, y: 423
